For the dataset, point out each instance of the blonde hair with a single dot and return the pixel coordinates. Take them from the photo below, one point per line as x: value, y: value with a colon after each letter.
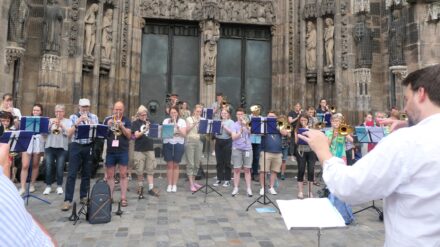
x: 338, y: 116
x: 141, y: 108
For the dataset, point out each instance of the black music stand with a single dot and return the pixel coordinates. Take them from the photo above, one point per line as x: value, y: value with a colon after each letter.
x: 205, y: 127
x: 37, y: 125
x: 18, y: 141
x: 262, y: 126
x: 367, y: 135
x: 87, y: 131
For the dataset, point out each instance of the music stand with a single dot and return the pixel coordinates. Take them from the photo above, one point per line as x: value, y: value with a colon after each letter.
x: 88, y: 132
x: 264, y: 126
x: 366, y: 134
x: 207, y: 127
x: 36, y: 125
x: 311, y: 214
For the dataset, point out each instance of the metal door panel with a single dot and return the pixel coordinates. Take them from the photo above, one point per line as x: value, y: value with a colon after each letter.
x: 229, y: 69
x: 185, y: 68
x: 153, y: 87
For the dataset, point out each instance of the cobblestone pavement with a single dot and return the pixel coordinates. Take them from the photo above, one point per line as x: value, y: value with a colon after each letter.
x: 183, y: 219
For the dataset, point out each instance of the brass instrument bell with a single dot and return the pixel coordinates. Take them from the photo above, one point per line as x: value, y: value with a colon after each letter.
x: 403, y: 116
x: 283, y: 124
x: 319, y: 125
x: 255, y: 109
x: 345, y: 129
x: 332, y: 109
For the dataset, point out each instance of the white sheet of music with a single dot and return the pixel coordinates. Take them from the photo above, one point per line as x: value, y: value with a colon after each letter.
x: 310, y: 213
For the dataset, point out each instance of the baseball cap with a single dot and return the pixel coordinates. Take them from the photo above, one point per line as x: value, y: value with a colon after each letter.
x: 84, y: 102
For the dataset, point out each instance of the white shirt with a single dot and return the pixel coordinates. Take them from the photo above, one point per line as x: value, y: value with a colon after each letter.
x: 17, y: 227
x: 404, y: 169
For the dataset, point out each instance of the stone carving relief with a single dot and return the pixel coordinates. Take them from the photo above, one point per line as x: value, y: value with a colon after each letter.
x: 211, y: 34
x: 310, y: 11
x: 52, y: 27
x: 74, y: 27
x: 50, y: 62
x: 328, y: 7
x: 361, y: 6
x: 344, y: 35
x: 329, y: 42
x: 433, y: 12
x: 400, y: 71
x: 124, y: 48
x: 396, y: 36
x: 362, y: 78
x: 211, y: 10
x: 13, y: 53
x: 253, y: 11
x: 311, y: 46
x: 363, y: 38
x: 395, y: 3
x: 107, y: 35
x: 18, y: 16
x: 90, y: 30
x: 291, y: 30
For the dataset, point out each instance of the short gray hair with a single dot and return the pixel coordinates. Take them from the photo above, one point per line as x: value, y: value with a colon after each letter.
x: 60, y: 106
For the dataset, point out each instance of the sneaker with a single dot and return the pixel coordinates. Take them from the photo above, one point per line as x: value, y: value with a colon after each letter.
x: 31, y: 188
x: 66, y: 206
x: 235, y: 191
x: 47, y: 190
x: 249, y: 192
x: 261, y: 191
x: 226, y: 184
x: 169, y: 188
x: 21, y: 191
x: 60, y: 190
x: 213, y: 153
x: 217, y: 183
x: 283, y: 177
x: 272, y: 191
x: 174, y: 188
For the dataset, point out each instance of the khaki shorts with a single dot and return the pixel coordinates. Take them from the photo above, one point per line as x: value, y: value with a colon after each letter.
x: 241, y: 158
x: 273, y: 162
x: 144, y: 161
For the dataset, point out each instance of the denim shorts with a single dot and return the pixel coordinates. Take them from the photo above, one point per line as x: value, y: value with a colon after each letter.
x: 113, y: 159
x: 285, y: 152
x: 173, y: 152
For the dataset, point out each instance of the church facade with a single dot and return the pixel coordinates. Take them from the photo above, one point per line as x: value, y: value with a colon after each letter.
x: 354, y: 53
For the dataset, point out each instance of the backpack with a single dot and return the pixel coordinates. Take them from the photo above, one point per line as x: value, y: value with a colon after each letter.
x: 99, y: 209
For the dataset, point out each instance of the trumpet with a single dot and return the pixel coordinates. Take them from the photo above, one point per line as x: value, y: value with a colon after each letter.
x: 332, y: 109
x: 245, y: 121
x: 256, y: 110
x: 55, y: 128
x: 345, y: 129
x: 283, y: 124
x: 403, y: 116
x: 84, y: 116
x: 115, y: 128
x: 319, y: 125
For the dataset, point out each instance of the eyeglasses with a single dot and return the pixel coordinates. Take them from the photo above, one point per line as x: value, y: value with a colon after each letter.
x: 142, y: 115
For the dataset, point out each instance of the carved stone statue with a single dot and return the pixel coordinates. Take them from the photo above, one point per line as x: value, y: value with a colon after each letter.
x: 107, y: 34
x: 18, y: 16
x: 53, y: 23
x: 211, y: 34
x: 363, y: 38
x: 329, y: 42
x: 396, y: 39
x: 311, y: 47
x: 90, y: 29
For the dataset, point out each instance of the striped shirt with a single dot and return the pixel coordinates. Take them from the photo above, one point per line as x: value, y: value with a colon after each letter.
x: 17, y: 227
x: 93, y: 119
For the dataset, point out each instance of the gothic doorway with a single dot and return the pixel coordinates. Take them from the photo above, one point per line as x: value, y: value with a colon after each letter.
x: 244, y: 65
x: 170, y: 63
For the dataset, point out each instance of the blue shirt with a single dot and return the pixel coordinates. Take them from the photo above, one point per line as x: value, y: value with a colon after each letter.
x: 271, y: 143
x: 93, y: 119
x: 17, y: 227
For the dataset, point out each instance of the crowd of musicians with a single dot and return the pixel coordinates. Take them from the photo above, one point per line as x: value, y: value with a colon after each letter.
x: 236, y: 149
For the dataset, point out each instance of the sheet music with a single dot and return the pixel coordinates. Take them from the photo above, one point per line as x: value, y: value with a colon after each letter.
x: 362, y: 134
x: 376, y: 134
x: 310, y: 213
x: 167, y: 131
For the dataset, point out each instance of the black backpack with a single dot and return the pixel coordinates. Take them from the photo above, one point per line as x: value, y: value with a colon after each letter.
x: 100, y: 205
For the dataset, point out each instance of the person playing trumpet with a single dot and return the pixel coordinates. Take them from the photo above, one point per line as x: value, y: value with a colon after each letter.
x: 193, y: 147
x: 79, y: 155
x: 144, y: 158
x: 173, y: 148
x: 56, y: 149
x: 117, y: 149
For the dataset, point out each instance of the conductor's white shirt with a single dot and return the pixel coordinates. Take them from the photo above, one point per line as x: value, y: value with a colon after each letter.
x: 404, y: 170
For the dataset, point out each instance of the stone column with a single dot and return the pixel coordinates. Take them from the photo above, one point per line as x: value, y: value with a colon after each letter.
x: 50, y: 78
x: 362, y: 77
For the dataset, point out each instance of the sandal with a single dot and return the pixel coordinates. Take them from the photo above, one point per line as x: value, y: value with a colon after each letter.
x: 124, y: 203
x: 305, y: 182
x: 154, y: 192
x: 316, y: 183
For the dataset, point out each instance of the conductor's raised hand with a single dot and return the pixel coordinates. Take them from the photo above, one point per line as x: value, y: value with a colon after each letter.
x: 318, y: 142
x: 394, y: 124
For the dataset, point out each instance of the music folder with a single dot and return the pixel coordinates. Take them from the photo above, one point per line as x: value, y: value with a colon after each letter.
x: 301, y: 141
x: 18, y: 139
x: 86, y: 131
x: 362, y: 134
x: 155, y: 131
x: 36, y: 124
x: 167, y: 131
x: 264, y: 125
x: 208, y: 113
x: 376, y: 134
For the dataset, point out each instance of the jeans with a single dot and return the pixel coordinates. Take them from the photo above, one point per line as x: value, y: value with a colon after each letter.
x: 79, y: 156
x: 52, y: 155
